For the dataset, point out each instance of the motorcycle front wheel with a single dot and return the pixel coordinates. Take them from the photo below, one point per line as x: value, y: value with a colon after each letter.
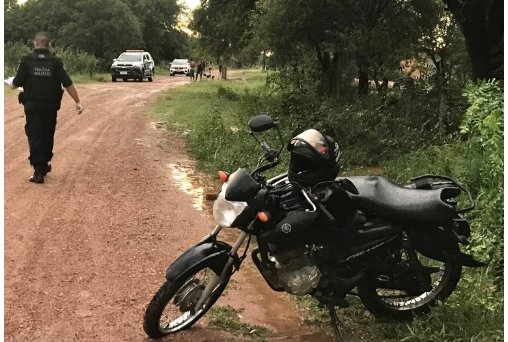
x: 172, y: 308
x: 401, y: 304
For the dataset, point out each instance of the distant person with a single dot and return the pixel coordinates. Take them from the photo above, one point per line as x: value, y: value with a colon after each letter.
x: 220, y: 70
x: 210, y: 65
x: 42, y: 76
x: 192, y: 65
x: 201, y: 67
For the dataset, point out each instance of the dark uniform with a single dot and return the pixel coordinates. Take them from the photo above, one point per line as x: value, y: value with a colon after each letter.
x: 41, y: 75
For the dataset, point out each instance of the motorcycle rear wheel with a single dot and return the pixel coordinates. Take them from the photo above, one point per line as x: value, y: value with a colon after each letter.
x: 398, y: 304
x: 172, y: 308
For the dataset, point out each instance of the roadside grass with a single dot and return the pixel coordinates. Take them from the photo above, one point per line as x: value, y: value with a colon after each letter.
x: 229, y: 319
x: 87, y: 79
x: 9, y: 92
x: 213, y: 117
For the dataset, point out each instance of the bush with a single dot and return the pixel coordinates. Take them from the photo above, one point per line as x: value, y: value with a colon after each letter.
x: 484, y: 125
x: 12, y: 55
x: 75, y: 61
x: 78, y: 61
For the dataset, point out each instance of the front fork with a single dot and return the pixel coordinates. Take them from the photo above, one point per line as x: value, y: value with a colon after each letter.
x: 218, y: 279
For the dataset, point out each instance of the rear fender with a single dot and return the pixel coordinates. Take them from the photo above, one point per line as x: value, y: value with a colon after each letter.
x: 435, y: 243
x: 209, y: 253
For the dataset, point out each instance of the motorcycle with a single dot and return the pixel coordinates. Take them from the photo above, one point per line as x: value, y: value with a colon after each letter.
x: 397, y: 245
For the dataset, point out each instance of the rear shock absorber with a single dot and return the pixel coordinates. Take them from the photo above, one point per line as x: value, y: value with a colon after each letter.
x: 414, y: 263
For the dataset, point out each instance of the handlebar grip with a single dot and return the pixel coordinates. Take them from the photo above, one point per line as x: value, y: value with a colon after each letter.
x: 323, y: 211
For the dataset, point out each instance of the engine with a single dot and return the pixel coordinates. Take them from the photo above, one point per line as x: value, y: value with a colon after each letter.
x: 296, y: 273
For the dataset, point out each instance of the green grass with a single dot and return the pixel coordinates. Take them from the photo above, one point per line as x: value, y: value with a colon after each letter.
x: 86, y: 79
x: 9, y: 92
x: 228, y: 318
x: 185, y: 107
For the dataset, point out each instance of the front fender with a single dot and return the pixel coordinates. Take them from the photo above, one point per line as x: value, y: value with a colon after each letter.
x: 209, y: 253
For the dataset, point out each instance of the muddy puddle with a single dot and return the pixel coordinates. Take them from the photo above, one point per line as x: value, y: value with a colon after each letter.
x: 260, y: 305
x: 202, y: 188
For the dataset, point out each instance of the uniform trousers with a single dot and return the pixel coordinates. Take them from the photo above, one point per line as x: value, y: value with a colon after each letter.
x: 40, y: 131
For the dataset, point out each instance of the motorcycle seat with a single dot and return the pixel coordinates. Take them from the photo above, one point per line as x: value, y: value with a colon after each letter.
x: 380, y: 196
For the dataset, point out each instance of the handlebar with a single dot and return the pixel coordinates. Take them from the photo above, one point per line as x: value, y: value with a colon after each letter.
x: 317, y: 205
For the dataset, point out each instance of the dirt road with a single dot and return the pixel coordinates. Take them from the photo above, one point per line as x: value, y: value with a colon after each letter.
x: 86, y: 250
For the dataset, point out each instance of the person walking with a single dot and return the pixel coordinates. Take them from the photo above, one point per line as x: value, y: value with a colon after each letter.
x: 42, y: 76
x: 192, y: 66
x: 200, y: 70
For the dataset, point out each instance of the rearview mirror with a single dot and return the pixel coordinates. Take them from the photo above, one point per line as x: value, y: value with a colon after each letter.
x: 114, y: 60
x: 261, y: 123
x: 348, y: 186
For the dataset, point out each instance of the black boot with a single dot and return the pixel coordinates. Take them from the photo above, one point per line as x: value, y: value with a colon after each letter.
x: 39, y: 173
x: 47, y: 169
x: 36, y: 178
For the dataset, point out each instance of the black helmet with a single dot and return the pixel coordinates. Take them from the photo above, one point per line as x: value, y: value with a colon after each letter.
x: 314, y: 158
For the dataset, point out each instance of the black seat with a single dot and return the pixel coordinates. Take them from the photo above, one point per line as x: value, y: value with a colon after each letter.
x: 380, y: 196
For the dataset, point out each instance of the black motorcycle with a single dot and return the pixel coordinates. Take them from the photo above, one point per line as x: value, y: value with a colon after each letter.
x: 397, y: 245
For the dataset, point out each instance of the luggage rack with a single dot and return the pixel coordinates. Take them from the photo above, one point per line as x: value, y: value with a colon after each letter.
x: 423, y: 182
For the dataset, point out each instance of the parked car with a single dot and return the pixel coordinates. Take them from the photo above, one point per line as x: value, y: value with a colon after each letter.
x: 180, y: 66
x: 133, y: 64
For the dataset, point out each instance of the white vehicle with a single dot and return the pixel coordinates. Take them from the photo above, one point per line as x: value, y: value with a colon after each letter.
x: 180, y: 66
x: 133, y: 64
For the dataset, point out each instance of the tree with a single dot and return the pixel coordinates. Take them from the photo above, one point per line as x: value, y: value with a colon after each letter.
x: 481, y: 22
x: 158, y: 20
x: 223, y: 26
x: 102, y: 27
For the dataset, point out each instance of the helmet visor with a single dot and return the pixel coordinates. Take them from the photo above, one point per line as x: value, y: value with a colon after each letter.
x: 313, y: 139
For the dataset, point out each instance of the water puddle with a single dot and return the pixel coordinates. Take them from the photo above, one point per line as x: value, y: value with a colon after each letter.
x: 201, y: 187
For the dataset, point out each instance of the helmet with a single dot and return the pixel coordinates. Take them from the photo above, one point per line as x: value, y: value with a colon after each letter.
x: 314, y: 158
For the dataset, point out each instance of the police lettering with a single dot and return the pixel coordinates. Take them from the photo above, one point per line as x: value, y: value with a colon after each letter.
x: 41, y: 71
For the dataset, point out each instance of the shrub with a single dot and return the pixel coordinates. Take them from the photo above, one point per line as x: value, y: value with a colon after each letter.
x: 12, y: 55
x: 78, y: 61
x: 75, y: 61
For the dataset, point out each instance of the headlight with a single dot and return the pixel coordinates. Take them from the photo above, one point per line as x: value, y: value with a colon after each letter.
x: 225, y: 212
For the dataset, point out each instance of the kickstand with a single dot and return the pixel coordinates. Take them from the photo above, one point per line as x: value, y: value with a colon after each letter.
x: 335, y: 322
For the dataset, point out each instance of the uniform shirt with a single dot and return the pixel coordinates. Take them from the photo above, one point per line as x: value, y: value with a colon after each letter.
x: 42, y: 75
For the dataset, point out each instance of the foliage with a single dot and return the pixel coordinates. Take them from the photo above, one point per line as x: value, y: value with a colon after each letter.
x: 75, y: 61
x: 484, y: 123
x: 223, y: 26
x: 12, y: 55
x: 102, y: 28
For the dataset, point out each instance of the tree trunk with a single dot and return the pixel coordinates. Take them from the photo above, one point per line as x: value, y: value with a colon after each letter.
x: 443, y: 109
x: 224, y: 72
x: 481, y: 22
x: 363, y: 82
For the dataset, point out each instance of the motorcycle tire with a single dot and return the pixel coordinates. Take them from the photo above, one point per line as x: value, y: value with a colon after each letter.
x: 181, y: 294
x: 379, y: 305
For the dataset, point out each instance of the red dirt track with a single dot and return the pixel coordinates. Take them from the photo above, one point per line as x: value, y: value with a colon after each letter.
x: 86, y: 250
